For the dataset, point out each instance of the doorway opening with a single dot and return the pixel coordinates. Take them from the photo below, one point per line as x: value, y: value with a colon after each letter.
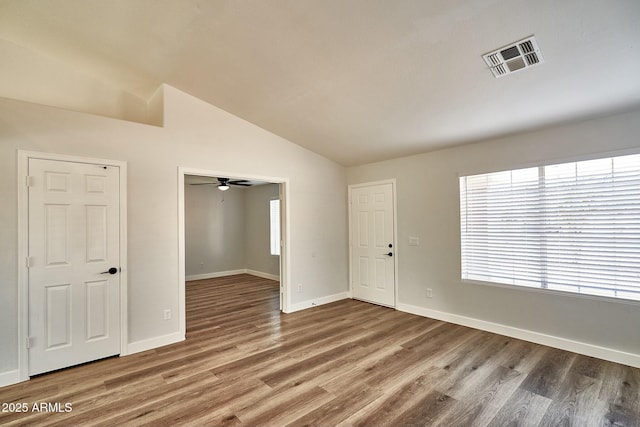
x: 228, y: 225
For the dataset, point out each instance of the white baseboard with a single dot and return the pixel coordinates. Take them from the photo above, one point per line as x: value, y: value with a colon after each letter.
x: 231, y: 273
x: 151, y: 343
x: 318, y: 301
x: 11, y: 377
x: 263, y: 275
x: 617, y: 356
x: 215, y: 274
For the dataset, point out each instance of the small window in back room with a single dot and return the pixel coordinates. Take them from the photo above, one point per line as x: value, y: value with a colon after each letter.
x: 274, y: 211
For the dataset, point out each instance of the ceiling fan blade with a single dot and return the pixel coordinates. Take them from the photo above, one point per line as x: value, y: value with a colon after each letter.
x: 226, y: 181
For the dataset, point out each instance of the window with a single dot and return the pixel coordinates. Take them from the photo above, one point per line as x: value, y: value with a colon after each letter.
x: 274, y: 210
x: 571, y: 227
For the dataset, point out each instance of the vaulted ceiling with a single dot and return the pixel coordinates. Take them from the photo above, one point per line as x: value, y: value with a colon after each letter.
x: 354, y: 80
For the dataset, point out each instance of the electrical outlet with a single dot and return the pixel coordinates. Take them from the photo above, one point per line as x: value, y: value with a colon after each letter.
x: 166, y: 315
x: 429, y: 293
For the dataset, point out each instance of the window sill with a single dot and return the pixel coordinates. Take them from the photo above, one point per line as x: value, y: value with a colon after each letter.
x: 552, y: 292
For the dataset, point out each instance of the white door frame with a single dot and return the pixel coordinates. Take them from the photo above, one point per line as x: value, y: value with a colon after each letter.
x: 284, y: 231
x: 23, y: 248
x: 395, y: 235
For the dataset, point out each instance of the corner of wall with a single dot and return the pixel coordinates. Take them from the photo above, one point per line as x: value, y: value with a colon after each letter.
x: 29, y: 76
x: 155, y: 107
x: 10, y: 377
x: 151, y: 343
x: 303, y: 305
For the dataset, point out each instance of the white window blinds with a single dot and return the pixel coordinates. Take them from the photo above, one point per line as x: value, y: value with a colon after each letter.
x: 274, y: 221
x: 571, y: 227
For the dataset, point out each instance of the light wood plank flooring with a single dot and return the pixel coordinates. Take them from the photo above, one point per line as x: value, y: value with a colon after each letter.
x: 343, y: 364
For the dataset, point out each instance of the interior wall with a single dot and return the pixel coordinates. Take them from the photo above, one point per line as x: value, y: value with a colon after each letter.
x: 258, y: 229
x: 229, y: 231
x: 214, y: 230
x: 195, y: 135
x: 428, y: 208
x: 33, y: 77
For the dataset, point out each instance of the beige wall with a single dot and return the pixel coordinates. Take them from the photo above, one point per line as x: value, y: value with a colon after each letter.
x: 229, y: 231
x: 428, y: 208
x: 196, y: 135
x: 214, y: 229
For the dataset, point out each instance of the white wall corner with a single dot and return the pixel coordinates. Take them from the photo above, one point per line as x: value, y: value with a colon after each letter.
x: 586, y: 349
x: 155, y: 107
x: 151, y: 343
x: 263, y: 275
x: 232, y: 273
x: 11, y: 377
x: 215, y: 274
x: 317, y: 301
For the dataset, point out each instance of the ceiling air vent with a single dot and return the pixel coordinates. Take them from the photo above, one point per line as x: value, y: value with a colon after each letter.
x: 514, y: 57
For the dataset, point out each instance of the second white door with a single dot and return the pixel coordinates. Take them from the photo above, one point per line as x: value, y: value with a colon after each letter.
x: 372, y: 226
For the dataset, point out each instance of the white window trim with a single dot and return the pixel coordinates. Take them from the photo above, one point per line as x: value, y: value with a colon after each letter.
x: 273, y: 244
x: 548, y: 291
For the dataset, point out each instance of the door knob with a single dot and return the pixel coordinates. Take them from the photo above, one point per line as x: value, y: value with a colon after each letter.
x: 112, y: 270
x: 390, y: 254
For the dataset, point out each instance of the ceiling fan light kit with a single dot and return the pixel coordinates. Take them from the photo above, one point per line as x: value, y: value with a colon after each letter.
x: 223, y: 187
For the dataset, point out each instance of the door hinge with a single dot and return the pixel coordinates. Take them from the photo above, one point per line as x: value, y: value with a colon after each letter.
x: 30, y: 181
x: 29, y: 261
x: 30, y: 341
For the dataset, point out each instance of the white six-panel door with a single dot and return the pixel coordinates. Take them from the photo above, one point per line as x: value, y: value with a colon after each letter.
x: 372, y: 244
x: 74, y: 307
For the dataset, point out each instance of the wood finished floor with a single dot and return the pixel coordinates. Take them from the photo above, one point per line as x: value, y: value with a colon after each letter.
x: 347, y: 363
